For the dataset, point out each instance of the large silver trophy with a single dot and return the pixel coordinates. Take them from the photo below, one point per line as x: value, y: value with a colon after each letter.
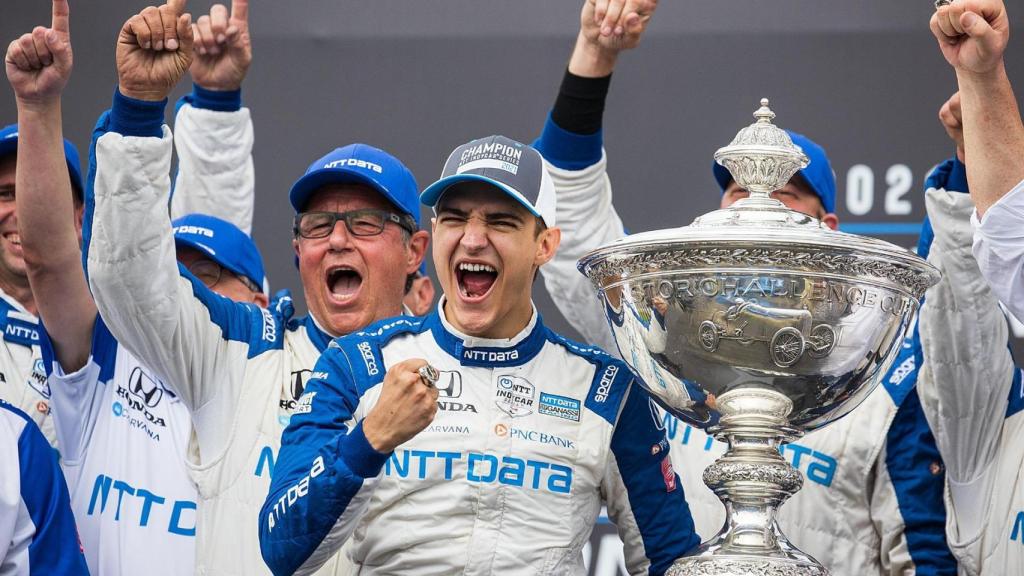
x: 757, y: 324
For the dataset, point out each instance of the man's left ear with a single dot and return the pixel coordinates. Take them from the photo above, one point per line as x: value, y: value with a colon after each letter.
x: 547, y: 245
x: 418, y: 244
x: 831, y: 220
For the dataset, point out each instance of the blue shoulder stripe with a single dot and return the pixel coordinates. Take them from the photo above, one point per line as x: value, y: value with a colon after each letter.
x: 259, y: 328
x: 363, y: 349
x: 103, y: 351
x: 918, y: 478
x: 54, y: 548
x: 611, y: 377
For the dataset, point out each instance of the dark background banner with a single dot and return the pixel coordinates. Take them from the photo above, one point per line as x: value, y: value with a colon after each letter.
x: 865, y: 79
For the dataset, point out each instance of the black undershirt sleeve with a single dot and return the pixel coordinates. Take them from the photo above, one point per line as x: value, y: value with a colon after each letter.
x: 579, y: 107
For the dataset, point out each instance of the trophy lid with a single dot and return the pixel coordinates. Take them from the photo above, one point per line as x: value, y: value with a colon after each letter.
x: 760, y: 231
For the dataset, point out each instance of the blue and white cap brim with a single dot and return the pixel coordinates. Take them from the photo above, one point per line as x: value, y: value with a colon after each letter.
x: 305, y: 187
x: 545, y: 208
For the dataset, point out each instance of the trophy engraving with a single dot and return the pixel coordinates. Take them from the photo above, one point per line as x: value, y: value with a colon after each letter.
x: 757, y: 324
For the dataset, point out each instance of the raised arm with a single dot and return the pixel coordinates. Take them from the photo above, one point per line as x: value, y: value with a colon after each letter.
x: 571, y: 144
x: 213, y: 133
x: 38, y: 67
x: 973, y: 35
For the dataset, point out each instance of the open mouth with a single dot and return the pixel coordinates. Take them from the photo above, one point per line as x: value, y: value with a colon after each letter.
x: 475, y: 279
x: 343, y: 283
x: 13, y: 237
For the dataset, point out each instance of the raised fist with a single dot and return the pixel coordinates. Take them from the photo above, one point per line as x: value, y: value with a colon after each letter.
x: 223, y: 49
x: 406, y: 406
x: 972, y: 34
x: 953, y: 121
x: 154, y: 49
x: 39, y: 63
x: 616, y: 25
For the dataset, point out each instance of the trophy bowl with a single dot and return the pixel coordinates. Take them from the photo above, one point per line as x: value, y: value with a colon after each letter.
x: 757, y: 323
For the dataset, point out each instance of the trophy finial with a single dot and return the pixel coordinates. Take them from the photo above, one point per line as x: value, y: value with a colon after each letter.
x: 762, y: 158
x: 764, y: 115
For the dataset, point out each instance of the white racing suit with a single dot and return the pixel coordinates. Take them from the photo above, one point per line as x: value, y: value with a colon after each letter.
x: 872, y: 503
x: 999, y: 248
x: 237, y: 368
x: 125, y: 434
x: 973, y: 396
x: 531, y: 436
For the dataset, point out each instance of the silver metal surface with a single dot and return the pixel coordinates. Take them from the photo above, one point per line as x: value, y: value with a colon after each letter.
x: 941, y: 3
x: 429, y: 375
x: 757, y: 324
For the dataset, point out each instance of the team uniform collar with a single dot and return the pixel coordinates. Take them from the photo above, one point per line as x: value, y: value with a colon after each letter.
x: 317, y: 335
x: 487, y: 352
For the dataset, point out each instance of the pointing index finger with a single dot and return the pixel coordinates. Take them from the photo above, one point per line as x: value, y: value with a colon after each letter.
x: 177, y: 6
x: 61, y: 17
x: 240, y: 10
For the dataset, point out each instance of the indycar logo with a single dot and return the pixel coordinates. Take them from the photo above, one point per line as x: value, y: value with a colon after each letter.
x: 37, y: 379
x: 515, y: 396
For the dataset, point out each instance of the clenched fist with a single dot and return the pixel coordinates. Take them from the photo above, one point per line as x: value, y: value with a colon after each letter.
x: 972, y: 34
x: 616, y: 24
x: 154, y: 49
x: 223, y: 49
x: 406, y: 406
x: 39, y: 63
x: 607, y: 27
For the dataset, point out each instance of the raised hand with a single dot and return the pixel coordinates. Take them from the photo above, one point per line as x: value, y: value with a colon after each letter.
x: 972, y: 34
x: 952, y: 120
x: 406, y: 406
x: 223, y: 49
x: 154, y: 49
x: 616, y: 25
x: 39, y: 63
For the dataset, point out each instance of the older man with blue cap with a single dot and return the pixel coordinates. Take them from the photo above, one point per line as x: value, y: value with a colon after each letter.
x: 873, y: 499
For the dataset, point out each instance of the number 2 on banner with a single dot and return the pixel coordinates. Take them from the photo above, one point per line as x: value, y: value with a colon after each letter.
x: 860, y: 190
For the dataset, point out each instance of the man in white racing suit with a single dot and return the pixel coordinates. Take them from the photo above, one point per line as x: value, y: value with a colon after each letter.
x: 239, y: 369
x: 974, y: 396
x: 124, y: 434
x: 873, y: 500
x: 502, y: 465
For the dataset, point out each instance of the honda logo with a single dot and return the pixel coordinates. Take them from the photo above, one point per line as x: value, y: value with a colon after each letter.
x: 145, y: 388
x: 449, y: 384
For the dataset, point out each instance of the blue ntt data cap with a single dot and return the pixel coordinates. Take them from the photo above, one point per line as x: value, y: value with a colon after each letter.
x: 9, y: 145
x: 818, y: 174
x: 513, y: 167
x: 360, y: 164
x: 223, y: 243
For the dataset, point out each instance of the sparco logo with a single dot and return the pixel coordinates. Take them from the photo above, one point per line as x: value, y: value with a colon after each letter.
x: 606, y: 383
x: 368, y: 359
